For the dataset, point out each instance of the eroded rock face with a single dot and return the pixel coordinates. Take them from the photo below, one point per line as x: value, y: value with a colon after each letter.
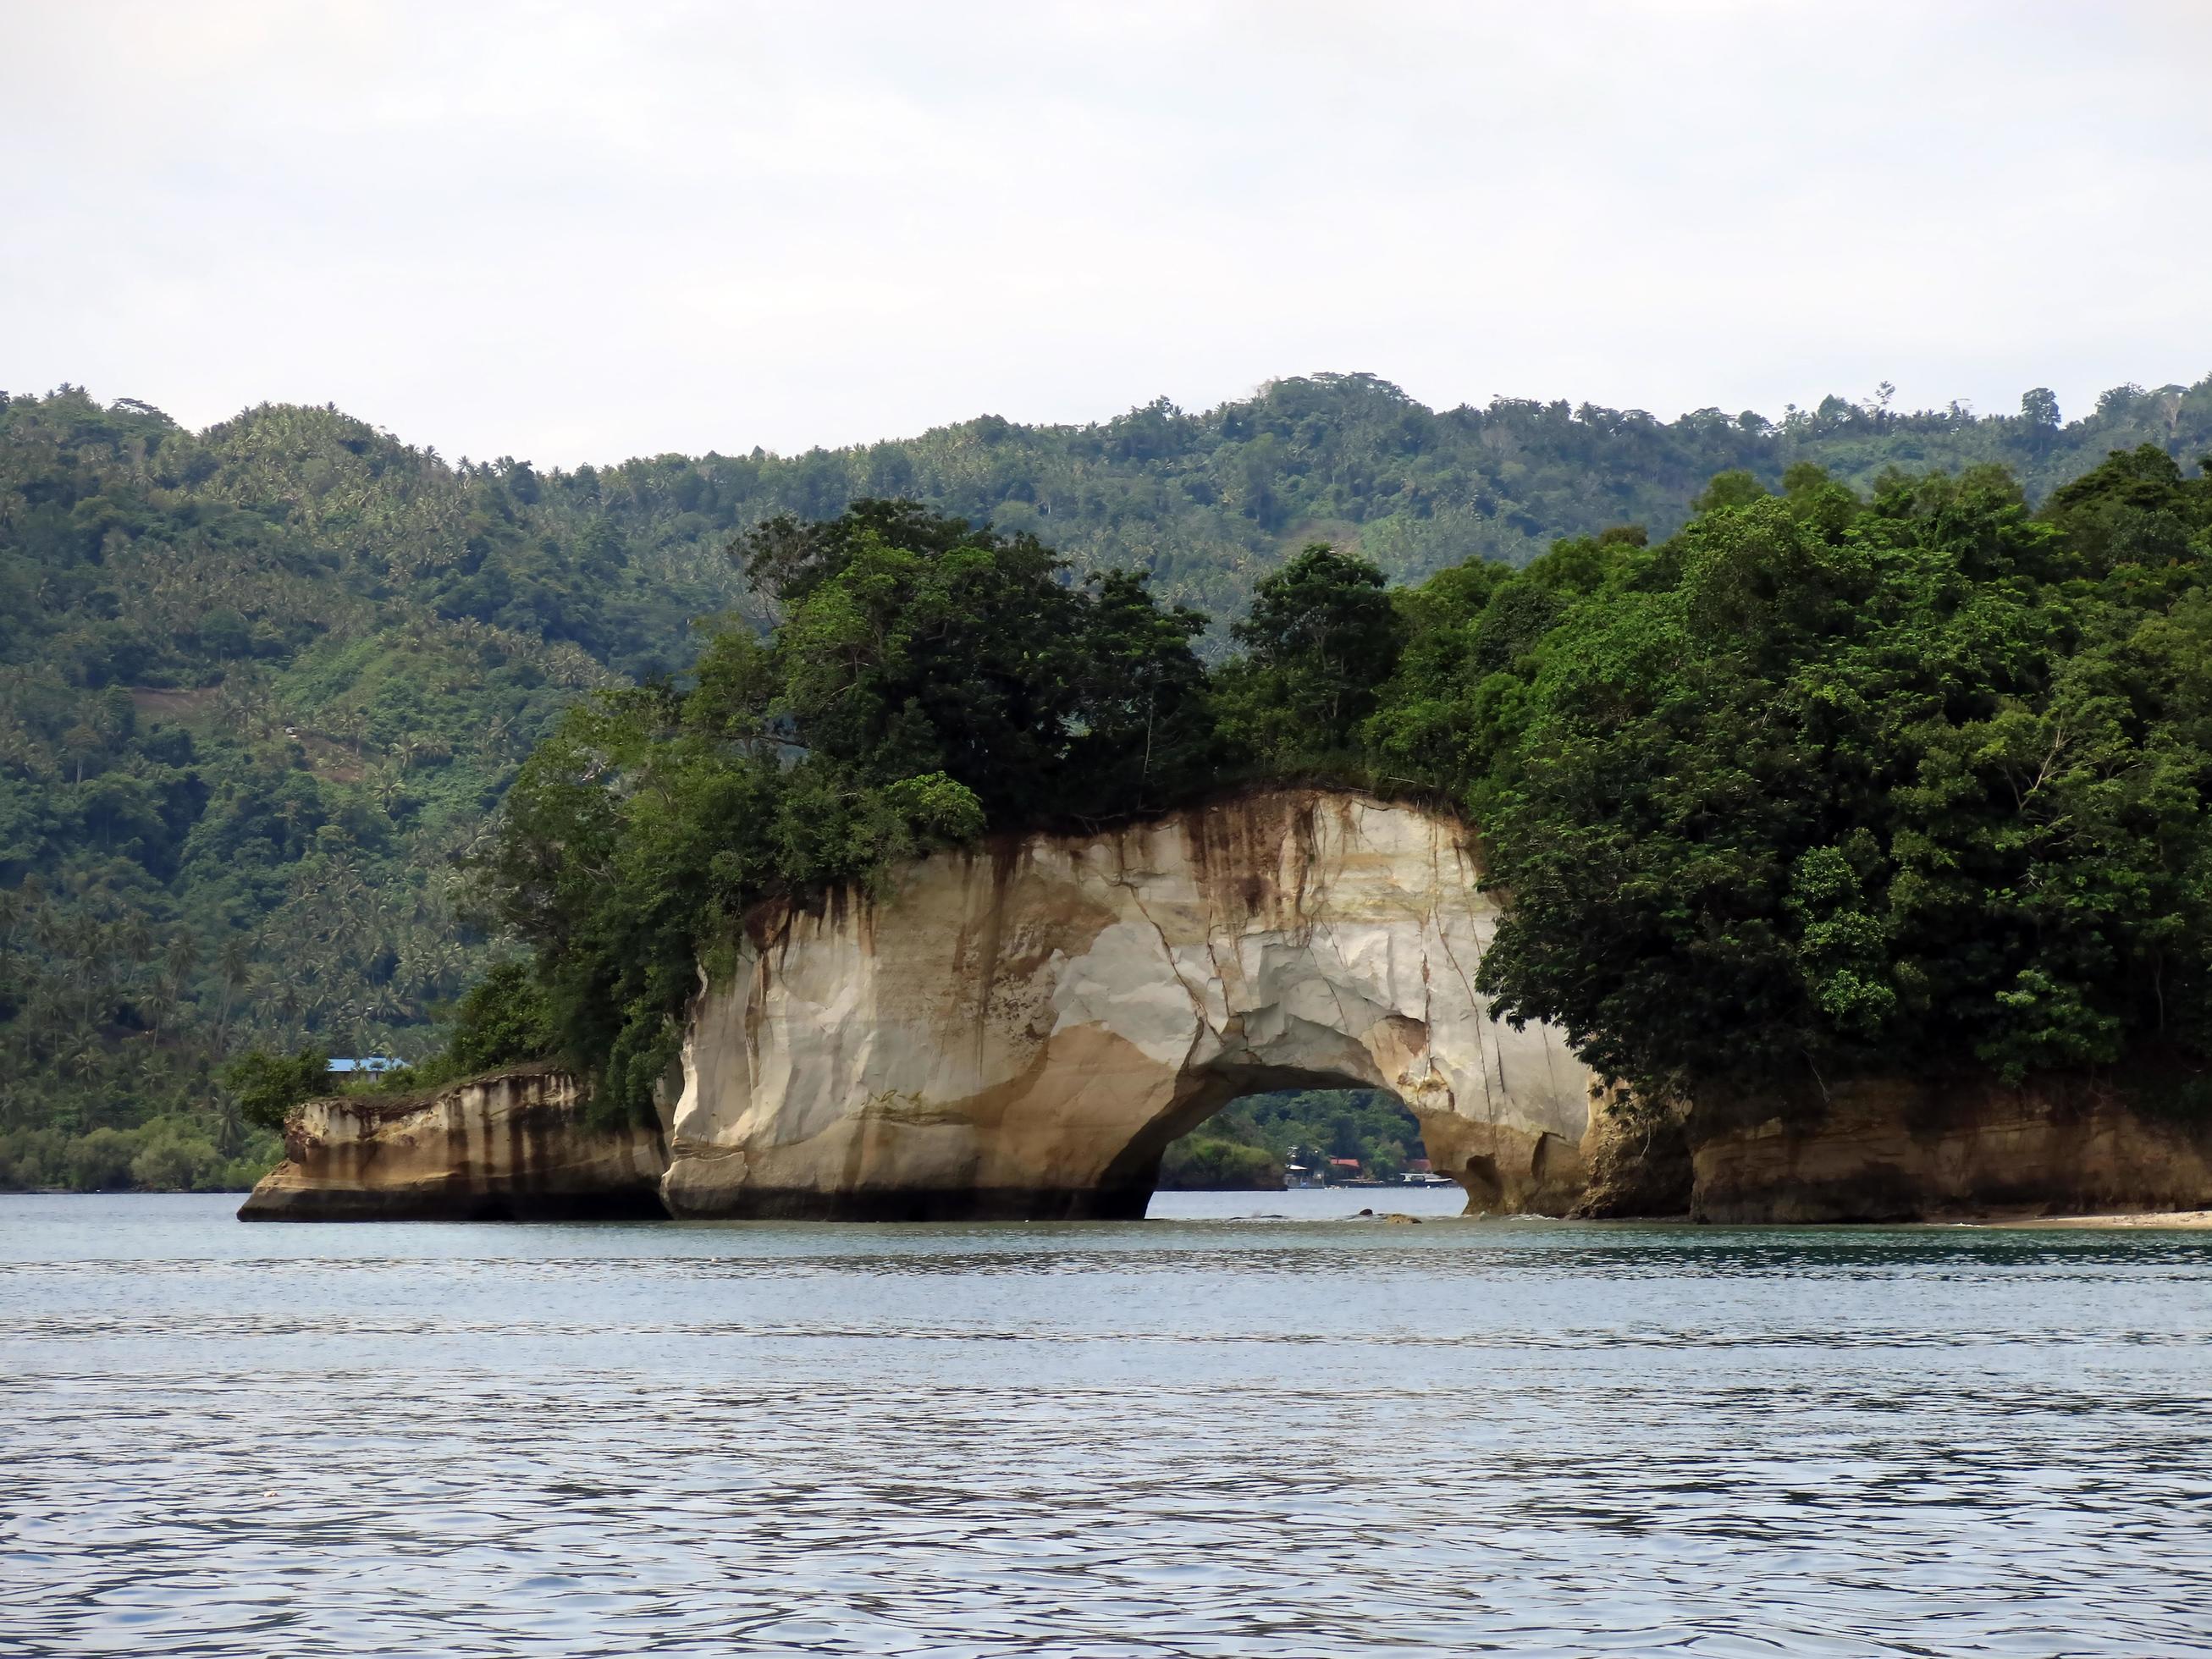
x: 1020, y: 1031
x: 513, y: 1147
x: 1935, y: 1149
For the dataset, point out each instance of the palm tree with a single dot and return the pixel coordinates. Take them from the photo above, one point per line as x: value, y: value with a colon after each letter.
x: 287, y: 1002
x: 134, y: 938
x: 156, y: 1075
x: 167, y: 989
x: 84, y: 1054
x: 233, y: 962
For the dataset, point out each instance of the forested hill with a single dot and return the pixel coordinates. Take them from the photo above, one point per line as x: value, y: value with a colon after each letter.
x: 1207, y: 501
x: 261, y: 686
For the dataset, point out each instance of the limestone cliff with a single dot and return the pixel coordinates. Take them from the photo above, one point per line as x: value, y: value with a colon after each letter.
x: 1934, y: 1149
x: 1021, y: 1030
x: 510, y: 1147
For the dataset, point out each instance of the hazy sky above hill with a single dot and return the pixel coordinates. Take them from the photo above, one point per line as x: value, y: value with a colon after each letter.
x: 578, y: 231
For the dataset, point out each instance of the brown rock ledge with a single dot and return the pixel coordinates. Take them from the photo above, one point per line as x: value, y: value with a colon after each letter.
x: 1949, y: 1149
x: 510, y: 1146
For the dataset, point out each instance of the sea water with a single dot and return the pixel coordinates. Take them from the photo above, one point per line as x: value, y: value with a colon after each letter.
x: 1248, y: 1425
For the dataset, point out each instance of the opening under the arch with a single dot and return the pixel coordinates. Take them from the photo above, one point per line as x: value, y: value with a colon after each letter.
x: 1298, y: 1138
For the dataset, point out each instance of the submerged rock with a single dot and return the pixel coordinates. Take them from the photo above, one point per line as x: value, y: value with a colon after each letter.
x: 514, y: 1146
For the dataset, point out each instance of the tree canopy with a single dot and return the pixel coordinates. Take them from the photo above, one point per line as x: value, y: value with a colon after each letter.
x: 1826, y: 784
x: 1832, y: 785
x: 264, y: 687
x: 925, y: 682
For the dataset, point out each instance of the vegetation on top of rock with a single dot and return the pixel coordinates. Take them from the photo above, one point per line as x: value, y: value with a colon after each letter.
x: 261, y: 687
x: 925, y: 681
x: 268, y: 1086
x: 1831, y: 785
x: 1823, y: 785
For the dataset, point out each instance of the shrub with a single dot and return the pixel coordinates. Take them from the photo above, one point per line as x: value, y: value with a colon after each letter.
x: 174, y: 1159
x: 1199, y: 1163
x: 100, y: 1162
x: 32, y: 1159
x: 269, y: 1086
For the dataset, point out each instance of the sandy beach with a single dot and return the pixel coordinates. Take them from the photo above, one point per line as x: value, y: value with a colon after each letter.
x: 2167, y: 1218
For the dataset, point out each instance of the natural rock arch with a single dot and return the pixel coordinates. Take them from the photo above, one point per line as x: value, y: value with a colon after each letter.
x: 1021, y: 1031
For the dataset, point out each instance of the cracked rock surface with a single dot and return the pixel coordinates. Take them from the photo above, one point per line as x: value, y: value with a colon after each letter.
x: 1021, y: 1029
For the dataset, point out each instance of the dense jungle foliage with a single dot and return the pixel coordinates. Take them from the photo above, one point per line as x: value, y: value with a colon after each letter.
x: 1826, y: 784
x: 262, y: 688
x: 1251, y: 1144
x: 1829, y: 784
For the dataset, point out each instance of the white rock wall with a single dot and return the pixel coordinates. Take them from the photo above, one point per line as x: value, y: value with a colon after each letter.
x: 1021, y: 1031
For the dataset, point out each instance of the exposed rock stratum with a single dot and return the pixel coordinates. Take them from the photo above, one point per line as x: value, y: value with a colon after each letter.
x: 1021, y: 1030
x: 1903, y: 1149
x: 516, y: 1147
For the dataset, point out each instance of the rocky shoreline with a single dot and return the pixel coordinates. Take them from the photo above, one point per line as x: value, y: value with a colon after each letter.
x: 1019, y: 1030
x: 519, y: 1146
x: 516, y: 1146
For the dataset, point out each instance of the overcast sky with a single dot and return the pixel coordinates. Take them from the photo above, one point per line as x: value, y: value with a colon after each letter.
x: 581, y: 230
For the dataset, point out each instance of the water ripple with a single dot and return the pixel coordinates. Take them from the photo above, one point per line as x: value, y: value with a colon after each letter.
x: 1231, y: 1439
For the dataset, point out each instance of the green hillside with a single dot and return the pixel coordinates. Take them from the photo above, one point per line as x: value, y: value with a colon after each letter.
x: 261, y: 686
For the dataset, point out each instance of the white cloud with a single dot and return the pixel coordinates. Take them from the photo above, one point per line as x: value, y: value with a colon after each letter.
x: 576, y: 230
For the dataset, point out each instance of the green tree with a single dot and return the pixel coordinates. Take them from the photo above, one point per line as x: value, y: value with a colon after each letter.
x: 503, y: 1018
x: 1870, y: 786
x: 269, y: 1086
x: 1205, y: 1163
x: 1321, y: 637
x: 926, y: 682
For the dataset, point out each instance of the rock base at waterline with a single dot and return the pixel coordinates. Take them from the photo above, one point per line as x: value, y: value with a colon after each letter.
x: 755, y: 1203
x: 1941, y: 1150
x: 1020, y: 1030
x: 509, y: 1147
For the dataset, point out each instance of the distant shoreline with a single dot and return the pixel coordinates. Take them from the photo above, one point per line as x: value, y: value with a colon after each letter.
x: 2182, y: 1219
x: 2131, y: 1221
